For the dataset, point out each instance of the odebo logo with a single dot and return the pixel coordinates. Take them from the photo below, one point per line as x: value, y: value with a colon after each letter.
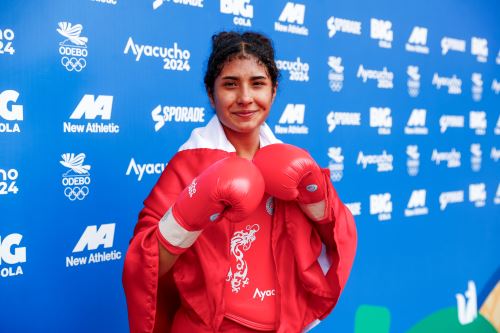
x: 90, y: 108
x: 384, y: 77
x: 413, y: 81
x: 178, y: 114
x: 293, y: 116
x: 8, y: 180
x: 192, y: 3
x: 174, y: 58
x: 6, y: 39
x: 241, y: 10
x: 11, y: 255
x: 381, y: 30
x: 382, y: 161
x: 381, y: 119
x: 381, y: 205
x: 453, y: 83
x: 297, y: 70
x: 76, y: 180
x: 10, y: 112
x: 477, y: 194
x: 92, y: 239
x: 336, y: 163
x: 413, y: 160
x: 452, y: 158
x: 147, y: 168
x: 74, y: 48
x: 477, y: 86
x: 291, y: 19
x: 475, y: 156
x: 336, y: 73
x: 477, y: 122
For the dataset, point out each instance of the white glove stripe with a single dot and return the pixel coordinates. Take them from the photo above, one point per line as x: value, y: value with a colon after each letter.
x: 174, y: 233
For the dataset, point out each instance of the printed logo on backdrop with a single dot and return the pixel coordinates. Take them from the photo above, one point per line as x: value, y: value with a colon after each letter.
x: 476, y: 156
x: 91, y: 107
x: 11, y: 114
x: 496, y: 200
x: 381, y: 30
x: 416, y: 123
x: 297, y: 70
x: 336, y: 163
x: 384, y: 161
x: 495, y: 154
x: 241, y: 10
x: 291, y: 19
x: 452, y: 158
x: 97, y: 243
x: 292, y: 120
x: 498, y: 58
x: 452, y: 44
x: 477, y: 194
x: 412, y: 160
x: 108, y: 2
x: 336, y: 24
x: 416, y: 204
x: 479, y: 48
x: 336, y: 73
x: 417, y: 42
x: 73, y: 48
x: 453, y: 83
x: 497, y: 127
x: 139, y: 169
x: 381, y: 205
x: 477, y: 122
x: 495, y: 86
x: 6, y: 39
x: 413, y: 81
x: 467, y: 304
x: 192, y: 3
x: 381, y: 119
x: 334, y: 119
x: 76, y: 180
x: 8, y: 178
x: 354, y: 207
x: 447, y: 121
x: 174, y: 58
x: 451, y: 197
x: 384, y: 77
x: 477, y: 86
x: 11, y: 255
x: 179, y: 114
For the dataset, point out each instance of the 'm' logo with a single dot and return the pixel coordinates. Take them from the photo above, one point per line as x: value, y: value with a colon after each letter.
x: 293, y: 114
x: 418, y: 36
x: 92, y: 237
x: 293, y: 13
x: 93, y: 107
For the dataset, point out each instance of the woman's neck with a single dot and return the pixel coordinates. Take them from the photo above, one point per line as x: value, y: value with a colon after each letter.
x: 246, y: 144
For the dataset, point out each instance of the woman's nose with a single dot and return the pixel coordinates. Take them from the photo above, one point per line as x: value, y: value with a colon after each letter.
x: 244, y: 96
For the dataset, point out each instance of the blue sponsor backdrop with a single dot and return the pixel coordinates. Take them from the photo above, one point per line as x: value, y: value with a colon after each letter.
x: 400, y: 100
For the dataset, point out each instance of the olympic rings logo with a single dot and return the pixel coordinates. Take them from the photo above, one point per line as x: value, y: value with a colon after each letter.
x: 74, y: 64
x: 77, y: 192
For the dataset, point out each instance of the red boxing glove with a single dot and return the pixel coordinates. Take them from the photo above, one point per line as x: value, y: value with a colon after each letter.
x: 232, y: 187
x: 290, y: 173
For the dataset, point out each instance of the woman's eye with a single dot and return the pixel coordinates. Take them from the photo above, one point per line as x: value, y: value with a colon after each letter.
x: 259, y: 83
x: 229, y: 84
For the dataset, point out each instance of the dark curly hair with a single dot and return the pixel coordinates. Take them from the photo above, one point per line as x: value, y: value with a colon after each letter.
x: 228, y: 45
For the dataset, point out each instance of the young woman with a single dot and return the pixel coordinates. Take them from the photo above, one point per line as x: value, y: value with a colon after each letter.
x: 242, y: 233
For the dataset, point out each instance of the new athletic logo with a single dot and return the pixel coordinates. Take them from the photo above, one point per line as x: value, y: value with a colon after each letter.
x: 413, y: 159
x: 336, y: 24
x: 452, y: 158
x: 90, y: 108
x: 477, y: 194
x: 382, y: 31
x: 477, y: 86
x: 381, y: 205
x: 291, y: 19
x: 77, y: 179
x: 416, y: 122
x: 8, y: 180
x: 450, y: 197
x: 336, y: 163
x: 381, y: 119
x: 11, y: 254
x: 478, y: 122
x: 6, y: 39
x: 336, y: 73
x: 476, y: 155
x: 417, y: 42
x: 293, y: 116
x: 10, y: 112
x: 92, y: 239
x: 179, y: 114
x: 453, y: 83
x: 174, y: 58
x: 242, y: 11
x: 384, y: 77
x: 452, y: 44
x: 413, y: 81
x: 479, y: 48
x: 192, y: 3
x: 148, y: 168
x: 416, y: 205
x: 298, y: 70
x: 74, y: 48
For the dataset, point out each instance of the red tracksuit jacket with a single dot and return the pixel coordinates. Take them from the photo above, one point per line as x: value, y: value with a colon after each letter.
x: 312, y: 266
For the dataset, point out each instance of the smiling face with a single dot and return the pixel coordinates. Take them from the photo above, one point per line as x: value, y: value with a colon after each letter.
x: 242, y: 97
